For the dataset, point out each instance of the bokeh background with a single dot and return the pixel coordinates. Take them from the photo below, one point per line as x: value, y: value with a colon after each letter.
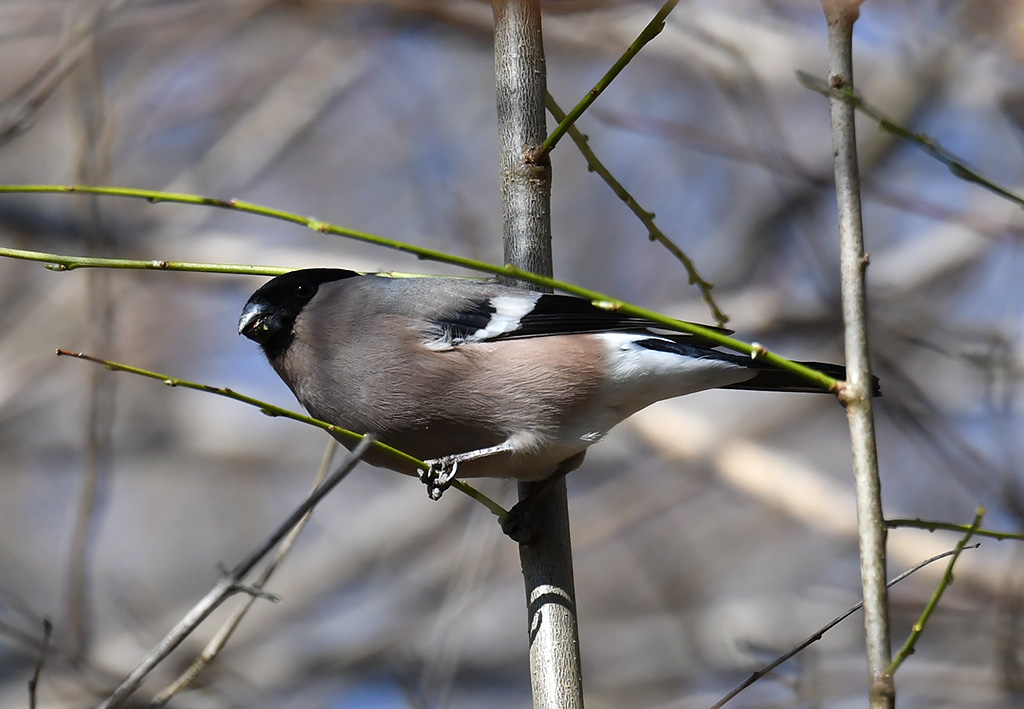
x: 711, y: 533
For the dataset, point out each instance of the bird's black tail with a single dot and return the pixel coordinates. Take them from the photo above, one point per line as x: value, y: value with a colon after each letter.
x: 772, y: 379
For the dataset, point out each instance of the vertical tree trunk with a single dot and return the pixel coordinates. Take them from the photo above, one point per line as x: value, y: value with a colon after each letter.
x: 526, y: 199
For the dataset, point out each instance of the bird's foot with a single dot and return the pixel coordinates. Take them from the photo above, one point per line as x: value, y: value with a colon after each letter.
x: 520, y: 524
x: 438, y: 475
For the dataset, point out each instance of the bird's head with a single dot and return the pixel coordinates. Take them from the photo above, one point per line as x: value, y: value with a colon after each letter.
x: 269, y: 315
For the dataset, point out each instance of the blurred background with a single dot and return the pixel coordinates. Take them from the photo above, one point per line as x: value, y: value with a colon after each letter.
x: 711, y: 533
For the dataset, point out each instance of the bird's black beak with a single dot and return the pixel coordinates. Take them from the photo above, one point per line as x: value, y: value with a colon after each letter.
x: 256, y: 322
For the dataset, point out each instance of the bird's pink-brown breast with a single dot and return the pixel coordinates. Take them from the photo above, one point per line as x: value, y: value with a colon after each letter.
x: 435, y: 402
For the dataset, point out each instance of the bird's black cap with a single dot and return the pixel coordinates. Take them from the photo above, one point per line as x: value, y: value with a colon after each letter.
x: 270, y: 313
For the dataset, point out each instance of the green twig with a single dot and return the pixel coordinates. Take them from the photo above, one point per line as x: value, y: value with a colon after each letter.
x: 652, y: 30
x: 64, y: 262
x: 923, y: 141
x: 272, y: 410
x: 712, y: 335
x: 932, y: 525
x: 60, y: 262
x: 947, y: 579
x: 647, y: 218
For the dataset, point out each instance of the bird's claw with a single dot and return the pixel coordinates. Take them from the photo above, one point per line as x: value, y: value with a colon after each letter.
x: 438, y: 475
x: 520, y: 524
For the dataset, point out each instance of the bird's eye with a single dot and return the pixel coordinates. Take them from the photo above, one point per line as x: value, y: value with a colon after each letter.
x: 305, y: 291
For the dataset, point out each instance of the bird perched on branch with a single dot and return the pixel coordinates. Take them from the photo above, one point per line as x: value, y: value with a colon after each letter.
x: 478, y: 378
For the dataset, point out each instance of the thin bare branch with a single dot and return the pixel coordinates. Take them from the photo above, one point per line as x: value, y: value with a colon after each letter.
x: 220, y: 639
x: 841, y: 17
x: 646, y: 218
x: 44, y: 646
x: 652, y: 30
x: 925, y: 142
x: 932, y: 525
x: 230, y: 583
x: 820, y: 632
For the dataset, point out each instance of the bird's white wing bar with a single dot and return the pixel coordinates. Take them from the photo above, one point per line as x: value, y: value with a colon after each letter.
x: 509, y: 311
x: 482, y: 320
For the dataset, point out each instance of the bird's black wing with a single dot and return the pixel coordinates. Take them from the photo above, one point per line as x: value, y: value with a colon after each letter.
x: 505, y: 317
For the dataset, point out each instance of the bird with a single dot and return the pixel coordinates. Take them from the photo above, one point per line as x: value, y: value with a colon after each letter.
x: 476, y: 378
